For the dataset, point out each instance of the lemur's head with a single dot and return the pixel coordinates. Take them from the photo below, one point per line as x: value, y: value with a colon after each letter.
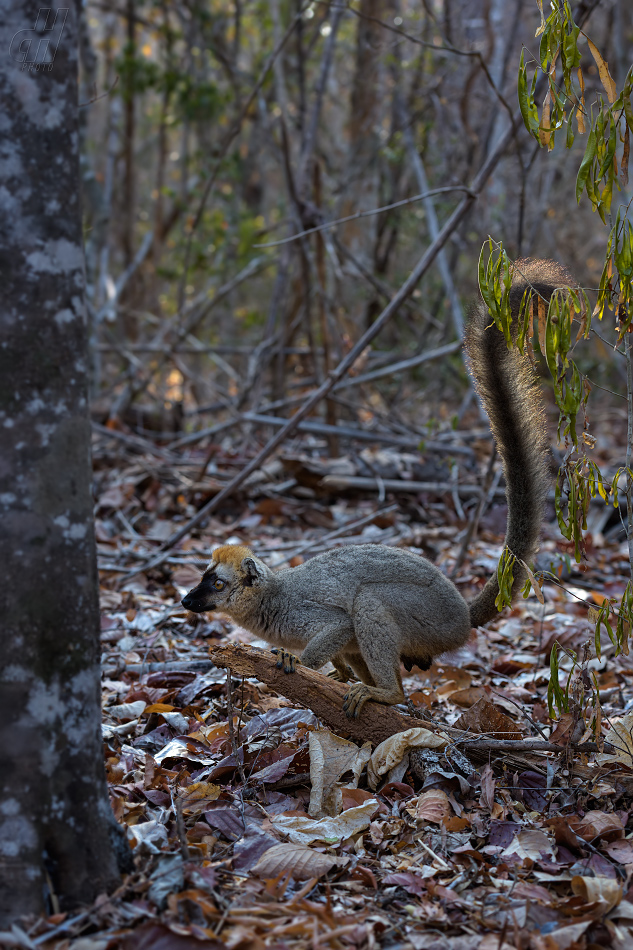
x: 228, y: 581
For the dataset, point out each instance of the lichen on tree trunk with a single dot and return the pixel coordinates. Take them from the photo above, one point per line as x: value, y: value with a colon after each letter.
x: 56, y: 824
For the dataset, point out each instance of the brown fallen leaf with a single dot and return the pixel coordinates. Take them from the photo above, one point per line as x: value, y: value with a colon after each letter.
x: 468, y: 697
x: 351, y: 797
x: 456, y: 678
x: 433, y: 806
x: 302, y: 862
x: 488, y: 787
x: 484, y: 718
x: 598, y: 824
x: 561, y: 735
x: 620, y: 850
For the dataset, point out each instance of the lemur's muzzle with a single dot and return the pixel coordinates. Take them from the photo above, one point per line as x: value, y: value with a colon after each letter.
x: 197, y: 604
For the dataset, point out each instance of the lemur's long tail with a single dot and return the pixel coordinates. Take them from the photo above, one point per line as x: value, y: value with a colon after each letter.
x: 507, y: 385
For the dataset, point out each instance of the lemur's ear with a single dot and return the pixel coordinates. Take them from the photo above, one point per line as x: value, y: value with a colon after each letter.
x: 253, y: 572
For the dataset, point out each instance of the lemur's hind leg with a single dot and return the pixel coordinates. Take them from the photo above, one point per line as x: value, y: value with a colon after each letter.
x: 342, y: 673
x: 380, y: 654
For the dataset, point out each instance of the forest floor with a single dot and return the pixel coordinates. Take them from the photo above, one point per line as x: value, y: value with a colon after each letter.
x: 254, y: 825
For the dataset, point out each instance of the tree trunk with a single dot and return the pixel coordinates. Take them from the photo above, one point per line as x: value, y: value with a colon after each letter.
x: 56, y: 825
x: 367, y: 108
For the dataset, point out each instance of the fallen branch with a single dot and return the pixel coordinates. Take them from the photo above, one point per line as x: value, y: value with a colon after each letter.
x: 527, y: 745
x: 472, y: 742
x: 364, y: 483
x: 324, y: 696
x: 169, y: 666
x: 363, y: 435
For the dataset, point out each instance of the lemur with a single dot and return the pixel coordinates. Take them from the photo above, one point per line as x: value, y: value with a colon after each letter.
x: 369, y: 607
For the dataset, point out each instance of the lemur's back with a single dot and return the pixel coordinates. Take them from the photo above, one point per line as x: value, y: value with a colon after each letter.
x: 400, y: 580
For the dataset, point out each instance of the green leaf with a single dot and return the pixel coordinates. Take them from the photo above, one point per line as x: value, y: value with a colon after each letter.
x: 527, y: 105
x: 585, y: 165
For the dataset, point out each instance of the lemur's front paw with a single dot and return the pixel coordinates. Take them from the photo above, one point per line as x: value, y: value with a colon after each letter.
x: 286, y: 661
x: 354, y: 700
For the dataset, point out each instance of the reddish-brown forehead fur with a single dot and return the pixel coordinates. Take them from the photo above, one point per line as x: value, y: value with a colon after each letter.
x: 232, y: 554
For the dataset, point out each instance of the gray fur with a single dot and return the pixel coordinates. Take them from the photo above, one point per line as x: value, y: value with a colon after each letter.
x: 369, y: 607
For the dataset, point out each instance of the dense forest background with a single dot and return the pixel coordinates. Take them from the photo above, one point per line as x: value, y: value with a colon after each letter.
x: 213, y: 134
x: 283, y: 209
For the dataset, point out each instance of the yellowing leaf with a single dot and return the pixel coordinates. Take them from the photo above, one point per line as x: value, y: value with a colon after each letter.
x: 196, y: 797
x: 580, y: 112
x: 543, y: 23
x: 158, y: 708
x: 598, y: 598
x: 602, y: 889
x: 536, y: 587
x: 542, y: 325
x: 544, y: 127
x: 603, y: 70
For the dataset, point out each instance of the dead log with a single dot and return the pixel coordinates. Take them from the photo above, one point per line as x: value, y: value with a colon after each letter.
x: 324, y: 696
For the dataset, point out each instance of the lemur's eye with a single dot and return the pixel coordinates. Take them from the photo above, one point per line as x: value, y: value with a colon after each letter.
x: 219, y: 585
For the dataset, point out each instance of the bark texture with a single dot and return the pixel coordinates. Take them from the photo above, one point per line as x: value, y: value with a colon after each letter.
x: 56, y: 824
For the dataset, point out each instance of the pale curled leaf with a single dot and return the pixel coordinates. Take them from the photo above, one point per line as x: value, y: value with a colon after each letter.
x: 149, y: 837
x: 330, y: 758
x: 620, y: 735
x: 392, y: 751
x: 530, y: 843
x: 302, y: 862
x: 331, y: 830
x: 127, y: 710
x: 602, y: 889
